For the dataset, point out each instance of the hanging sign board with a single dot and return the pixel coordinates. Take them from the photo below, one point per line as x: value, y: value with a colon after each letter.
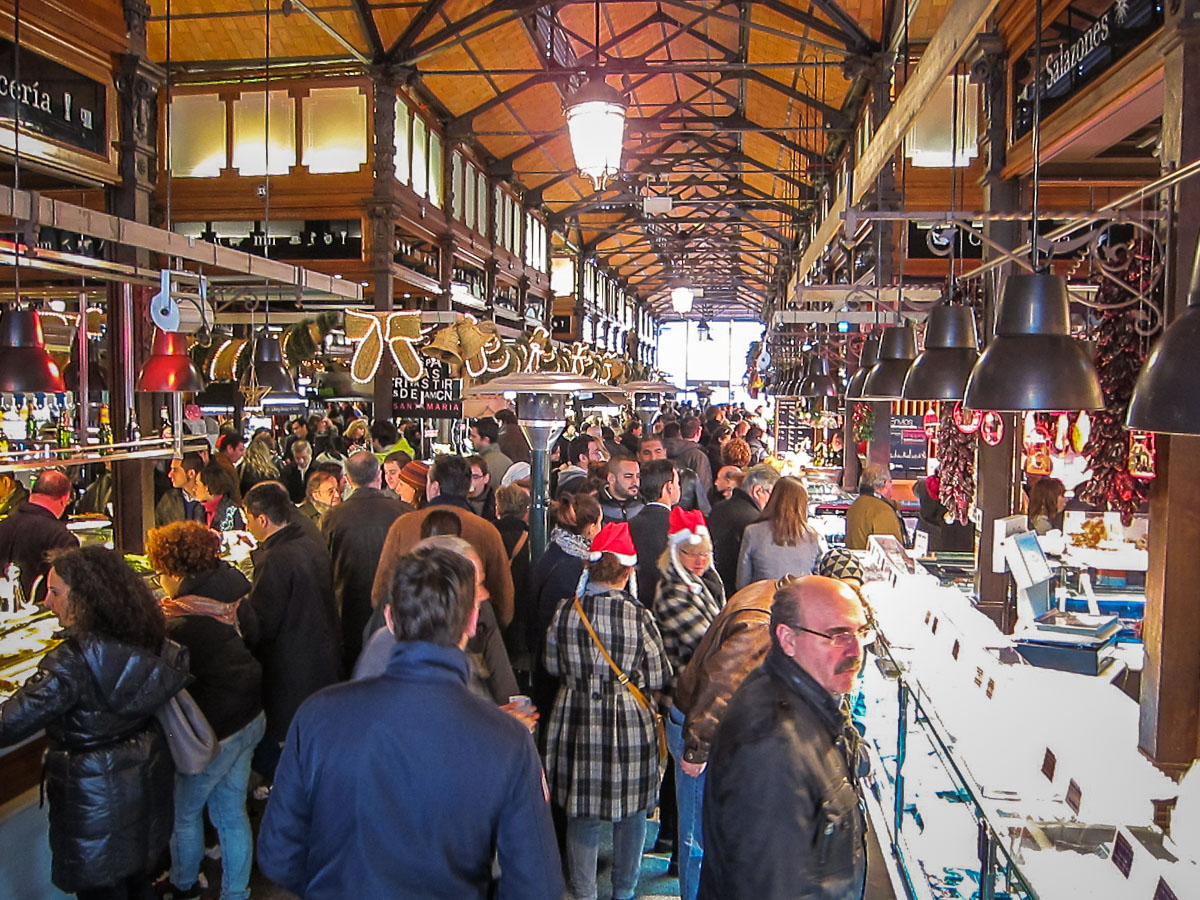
x: 1086, y: 40
x: 435, y: 395
x: 909, y: 446
x: 54, y: 101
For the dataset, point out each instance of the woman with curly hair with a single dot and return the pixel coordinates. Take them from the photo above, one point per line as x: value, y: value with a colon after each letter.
x: 736, y: 452
x: 258, y: 465
x: 107, y: 772
x: 216, y: 491
x: 204, y: 597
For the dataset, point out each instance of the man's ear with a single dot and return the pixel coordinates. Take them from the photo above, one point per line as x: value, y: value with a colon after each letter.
x: 787, y: 640
x: 388, y: 620
x: 472, y: 625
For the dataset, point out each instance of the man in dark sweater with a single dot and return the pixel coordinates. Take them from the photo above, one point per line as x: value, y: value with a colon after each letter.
x: 355, y: 531
x: 660, y: 484
x: 730, y: 517
x: 297, y: 638
x: 36, y: 528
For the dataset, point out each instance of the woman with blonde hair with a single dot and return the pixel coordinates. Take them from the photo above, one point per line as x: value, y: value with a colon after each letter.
x: 357, y: 436
x: 258, y: 465
x: 781, y: 542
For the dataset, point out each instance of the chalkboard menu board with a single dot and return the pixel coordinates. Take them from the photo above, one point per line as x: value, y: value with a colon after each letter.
x: 434, y: 396
x: 909, y: 446
x: 790, y: 431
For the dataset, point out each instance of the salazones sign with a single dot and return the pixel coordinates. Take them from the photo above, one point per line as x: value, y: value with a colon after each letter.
x: 1078, y: 47
x: 53, y: 101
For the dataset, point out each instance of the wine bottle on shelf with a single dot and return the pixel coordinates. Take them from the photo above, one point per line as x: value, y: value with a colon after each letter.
x: 105, y: 430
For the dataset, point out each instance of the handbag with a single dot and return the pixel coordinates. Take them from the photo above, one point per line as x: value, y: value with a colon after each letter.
x: 660, y: 730
x: 191, y: 739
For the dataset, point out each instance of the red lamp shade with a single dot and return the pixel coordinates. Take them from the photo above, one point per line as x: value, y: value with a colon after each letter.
x: 25, y: 366
x: 169, y: 368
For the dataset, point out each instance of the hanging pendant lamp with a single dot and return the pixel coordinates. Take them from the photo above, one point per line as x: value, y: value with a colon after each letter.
x: 169, y: 368
x: 818, y: 382
x: 1165, y: 398
x: 681, y: 299
x: 868, y: 358
x: 1032, y: 362
x: 951, y: 350
x: 897, y: 350
x: 25, y: 366
x: 269, y: 371
x: 596, y: 124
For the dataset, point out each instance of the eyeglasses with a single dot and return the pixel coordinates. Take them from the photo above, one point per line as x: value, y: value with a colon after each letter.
x: 843, y: 640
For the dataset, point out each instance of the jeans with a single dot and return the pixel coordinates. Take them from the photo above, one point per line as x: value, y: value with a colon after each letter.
x: 583, y: 845
x: 222, y: 787
x: 689, y: 795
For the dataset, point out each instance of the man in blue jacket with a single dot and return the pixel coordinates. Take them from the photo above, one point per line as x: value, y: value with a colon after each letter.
x: 407, y: 785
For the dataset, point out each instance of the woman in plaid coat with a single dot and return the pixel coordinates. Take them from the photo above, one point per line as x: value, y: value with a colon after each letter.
x: 601, y: 745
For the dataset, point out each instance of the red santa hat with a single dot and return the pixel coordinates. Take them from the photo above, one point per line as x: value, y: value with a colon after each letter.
x: 686, y: 526
x: 614, y: 538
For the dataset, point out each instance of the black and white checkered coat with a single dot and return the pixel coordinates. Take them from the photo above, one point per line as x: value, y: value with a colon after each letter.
x: 684, y: 607
x: 601, y: 747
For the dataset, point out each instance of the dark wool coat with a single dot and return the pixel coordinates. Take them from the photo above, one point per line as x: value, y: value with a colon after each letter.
x: 108, y: 773
x: 728, y: 520
x: 27, y: 536
x: 355, y: 531
x: 601, y: 746
x: 781, y: 812
x: 297, y: 641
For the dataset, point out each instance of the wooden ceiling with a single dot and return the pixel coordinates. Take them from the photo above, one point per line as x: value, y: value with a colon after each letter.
x: 734, y: 107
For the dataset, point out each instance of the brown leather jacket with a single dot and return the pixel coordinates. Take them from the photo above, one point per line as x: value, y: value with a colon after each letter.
x: 735, y: 644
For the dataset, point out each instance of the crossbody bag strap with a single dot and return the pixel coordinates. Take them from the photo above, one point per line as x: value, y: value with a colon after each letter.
x: 520, y: 545
x: 621, y: 676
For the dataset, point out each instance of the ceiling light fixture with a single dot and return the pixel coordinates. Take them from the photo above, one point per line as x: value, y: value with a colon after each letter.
x: 867, y: 358
x: 169, y: 368
x: 897, y: 350
x: 596, y: 123
x: 951, y: 350
x: 681, y: 299
x: 1032, y: 362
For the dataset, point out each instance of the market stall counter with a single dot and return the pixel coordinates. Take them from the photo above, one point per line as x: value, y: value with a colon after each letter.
x: 996, y: 778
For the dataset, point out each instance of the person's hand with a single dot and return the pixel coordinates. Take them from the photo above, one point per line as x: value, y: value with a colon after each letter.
x: 694, y: 770
x: 526, y: 716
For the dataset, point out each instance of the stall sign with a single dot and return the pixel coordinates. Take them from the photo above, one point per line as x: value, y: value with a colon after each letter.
x: 54, y: 101
x: 435, y: 395
x: 909, y: 446
x: 1084, y: 41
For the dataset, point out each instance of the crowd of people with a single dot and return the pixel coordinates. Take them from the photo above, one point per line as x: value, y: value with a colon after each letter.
x: 426, y: 711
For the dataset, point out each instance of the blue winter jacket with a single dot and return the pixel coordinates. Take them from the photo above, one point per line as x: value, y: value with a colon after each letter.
x: 408, y: 785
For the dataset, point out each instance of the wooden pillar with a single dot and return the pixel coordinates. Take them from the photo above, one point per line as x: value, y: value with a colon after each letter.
x: 997, y: 481
x: 1170, y: 701
x: 383, y: 209
x: 138, y: 83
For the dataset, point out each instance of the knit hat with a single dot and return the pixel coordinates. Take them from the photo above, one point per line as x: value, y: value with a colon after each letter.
x: 415, y: 474
x: 686, y: 526
x: 840, y: 564
x: 518, y: 471
x: 614, y: 538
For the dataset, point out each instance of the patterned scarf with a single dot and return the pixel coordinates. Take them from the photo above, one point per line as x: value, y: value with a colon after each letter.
x: 195, y: 605
x: 575, y: 545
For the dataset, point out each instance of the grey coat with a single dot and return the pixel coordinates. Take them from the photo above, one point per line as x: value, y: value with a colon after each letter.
x: 762, y: 558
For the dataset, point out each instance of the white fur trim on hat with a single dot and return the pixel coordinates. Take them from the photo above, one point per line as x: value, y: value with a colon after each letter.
x: 623, y: 558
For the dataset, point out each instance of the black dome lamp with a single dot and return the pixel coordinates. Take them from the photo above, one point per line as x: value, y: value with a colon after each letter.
x: 1033, y: 363
x: 951, y: 350
x: 897, y: 350
x: 868, y: 357
x: 1165, y: 397
x: 818, y: 382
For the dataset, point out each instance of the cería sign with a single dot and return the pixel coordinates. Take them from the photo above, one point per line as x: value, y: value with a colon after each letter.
x: 1087, y: 39
x: 53, y: 101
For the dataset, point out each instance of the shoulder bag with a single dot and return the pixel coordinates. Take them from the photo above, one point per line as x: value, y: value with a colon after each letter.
x: 659, y: 729
x: 193, y: 743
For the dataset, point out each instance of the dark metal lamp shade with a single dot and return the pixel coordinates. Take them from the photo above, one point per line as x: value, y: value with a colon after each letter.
x: 269, y: 370
x: 942, y: 369
x: 1033, y: 363
x: 818, y: 382
x: 169, y: 368
x: 1165, y: 398
x: 897, y: 350
x: 870, y: 355
x: 25, y: 366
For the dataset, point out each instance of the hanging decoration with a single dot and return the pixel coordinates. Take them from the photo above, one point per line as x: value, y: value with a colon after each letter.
x: 1119, y: 357
x: 991, y: 428
x: 398, y: 331
x: 956, y: 465
x: 863, y: 421
x: 966, y: 420
x: 1081, y: 431
x: 930, y: 422
x: 1143, y: 458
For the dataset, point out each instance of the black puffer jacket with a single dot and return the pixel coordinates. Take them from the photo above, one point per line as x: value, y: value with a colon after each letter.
x: 108, y: 772
x: 781, y: 811
x: 228, y: 679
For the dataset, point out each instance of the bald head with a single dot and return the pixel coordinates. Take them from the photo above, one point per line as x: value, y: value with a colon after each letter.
x: 52, y: 491
x: 817, y: 621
